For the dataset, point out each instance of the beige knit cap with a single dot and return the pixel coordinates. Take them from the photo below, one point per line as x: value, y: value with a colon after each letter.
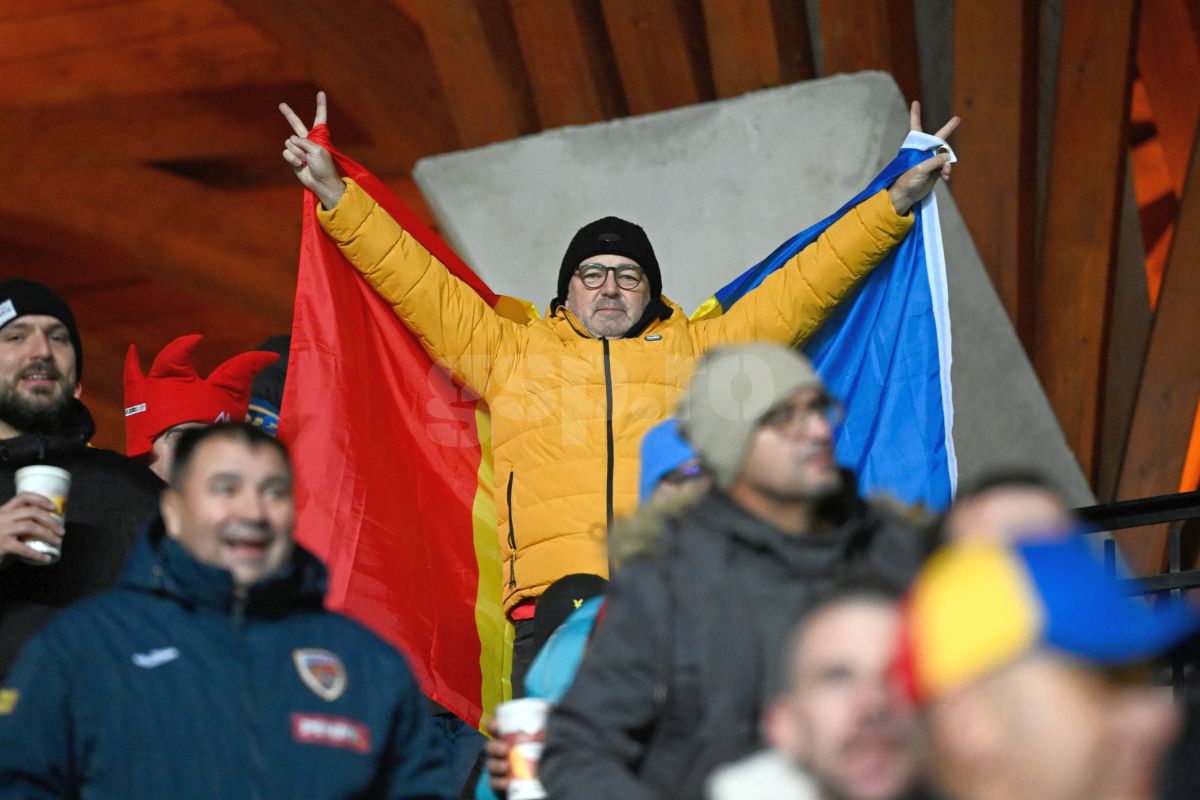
x: 730, y: 393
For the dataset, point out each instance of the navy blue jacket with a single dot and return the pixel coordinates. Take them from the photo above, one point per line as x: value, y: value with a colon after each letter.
x: 167, y: 687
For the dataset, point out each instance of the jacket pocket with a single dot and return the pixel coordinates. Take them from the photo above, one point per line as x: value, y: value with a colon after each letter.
x: 512, y: 536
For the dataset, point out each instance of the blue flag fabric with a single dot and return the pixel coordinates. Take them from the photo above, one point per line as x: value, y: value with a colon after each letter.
x: 885, y: 352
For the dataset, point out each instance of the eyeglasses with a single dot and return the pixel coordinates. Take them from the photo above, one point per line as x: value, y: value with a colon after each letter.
x: 629, y: 276
x: 792, y: 416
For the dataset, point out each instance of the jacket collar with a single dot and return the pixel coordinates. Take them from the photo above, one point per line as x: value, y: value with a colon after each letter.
x: 57, y: 448
x: 160, y: 565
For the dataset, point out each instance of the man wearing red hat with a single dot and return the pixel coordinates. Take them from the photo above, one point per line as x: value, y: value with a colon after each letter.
x: 172, y: 397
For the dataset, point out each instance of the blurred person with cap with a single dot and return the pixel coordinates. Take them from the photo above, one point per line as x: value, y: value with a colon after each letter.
x: 572, y: 393
x: 42, y: 421
x: 669, y: 465
x: 172, y: 397
x: 1016, y: 655
x: 678, y: 676
x: 838, y: 729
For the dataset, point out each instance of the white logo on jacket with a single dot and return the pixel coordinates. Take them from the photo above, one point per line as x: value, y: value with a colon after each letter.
x: 156, y: 658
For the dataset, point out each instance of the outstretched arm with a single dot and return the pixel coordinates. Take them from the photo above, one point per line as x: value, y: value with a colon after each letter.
x: 791, y: 303
x: 453, y: 323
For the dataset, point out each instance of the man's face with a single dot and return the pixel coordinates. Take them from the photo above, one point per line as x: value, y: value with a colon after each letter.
x: 233, y: 509
x: 609, y: 310
x: 791, y: 454
x: 1007, y: 514
x: 38, y: 374
x: 162, y: 449
x: 843, y: 720
x: 1058, y: 731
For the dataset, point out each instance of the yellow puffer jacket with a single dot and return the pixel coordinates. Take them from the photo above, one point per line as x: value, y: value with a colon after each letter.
x: 568, y: 410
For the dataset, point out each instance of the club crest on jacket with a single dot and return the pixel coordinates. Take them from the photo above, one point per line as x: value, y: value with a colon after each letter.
x: 321, y: 671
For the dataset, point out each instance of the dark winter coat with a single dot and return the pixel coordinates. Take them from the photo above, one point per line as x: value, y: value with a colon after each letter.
x: 169, y: 687
x: 111, y: 499
x: 683, y: 664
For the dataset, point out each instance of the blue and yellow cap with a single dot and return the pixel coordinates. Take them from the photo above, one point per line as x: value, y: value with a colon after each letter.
x: 978, y: 606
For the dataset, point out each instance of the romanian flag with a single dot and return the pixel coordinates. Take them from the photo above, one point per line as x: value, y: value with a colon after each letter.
x: 394, y: 470
x: 393, y: 460
x: 885, y: 352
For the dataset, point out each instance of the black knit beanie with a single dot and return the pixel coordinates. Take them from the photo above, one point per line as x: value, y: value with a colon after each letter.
x: 610, y: 236
x: 19, y: 297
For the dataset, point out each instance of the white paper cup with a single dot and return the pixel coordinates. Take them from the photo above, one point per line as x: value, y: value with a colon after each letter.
x: 522, y: 725
x: 53, y: 483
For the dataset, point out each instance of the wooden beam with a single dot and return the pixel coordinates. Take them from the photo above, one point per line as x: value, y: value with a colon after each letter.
x: 12, y: 10
x: 173, y: 126
x: 569, y: 61
x: 1163, y: 416
x: 1087, y: 173
x: 372, y: 59
x: 757, y: 43
x: 474, y: 47
x: 1129, y: 334
x: 1168, y: 60
x: 170, y: 228
x: 147, y: 47
x: 871, y: 34
x: 995, y: 87
x: 660, y: 52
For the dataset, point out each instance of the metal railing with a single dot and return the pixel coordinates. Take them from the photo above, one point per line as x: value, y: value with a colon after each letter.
x: 1171, y: 509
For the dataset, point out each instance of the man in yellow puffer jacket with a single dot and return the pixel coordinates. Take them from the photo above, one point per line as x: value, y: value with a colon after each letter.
x: 571, y: 395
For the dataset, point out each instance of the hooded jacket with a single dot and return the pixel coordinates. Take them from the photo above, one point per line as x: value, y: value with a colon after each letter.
x: 686, y: 659
x: 170, y: 686
x: 111, y: 499
x: 568, y: 410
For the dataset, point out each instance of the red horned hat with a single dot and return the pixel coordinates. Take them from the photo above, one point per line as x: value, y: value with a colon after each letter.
x: 173, y: 393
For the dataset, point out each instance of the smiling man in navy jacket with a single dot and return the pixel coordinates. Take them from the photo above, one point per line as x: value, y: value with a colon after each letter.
x: 213, y: 669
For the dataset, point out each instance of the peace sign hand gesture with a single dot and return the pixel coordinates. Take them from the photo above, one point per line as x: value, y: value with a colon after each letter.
x: 310, y: 161
x: 912, y: 187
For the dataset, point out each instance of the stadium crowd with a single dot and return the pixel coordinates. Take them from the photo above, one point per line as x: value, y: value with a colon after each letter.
x: 705, y: 604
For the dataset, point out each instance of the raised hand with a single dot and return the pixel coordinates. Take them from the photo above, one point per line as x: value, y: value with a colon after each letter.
x: 310, y: 161
x: 911, y: 187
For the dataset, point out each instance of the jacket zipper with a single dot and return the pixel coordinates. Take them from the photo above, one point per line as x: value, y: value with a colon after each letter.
x: 252, y: 722
x: 512, y: 539
x: 608, y: 400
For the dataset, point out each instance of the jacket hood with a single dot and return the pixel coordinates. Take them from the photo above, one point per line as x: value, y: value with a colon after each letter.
x: 56, y: 448
x: 160, y: 565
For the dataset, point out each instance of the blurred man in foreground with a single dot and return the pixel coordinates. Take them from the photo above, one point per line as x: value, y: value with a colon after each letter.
x: 1013, y: 652
x: 213, y: 669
